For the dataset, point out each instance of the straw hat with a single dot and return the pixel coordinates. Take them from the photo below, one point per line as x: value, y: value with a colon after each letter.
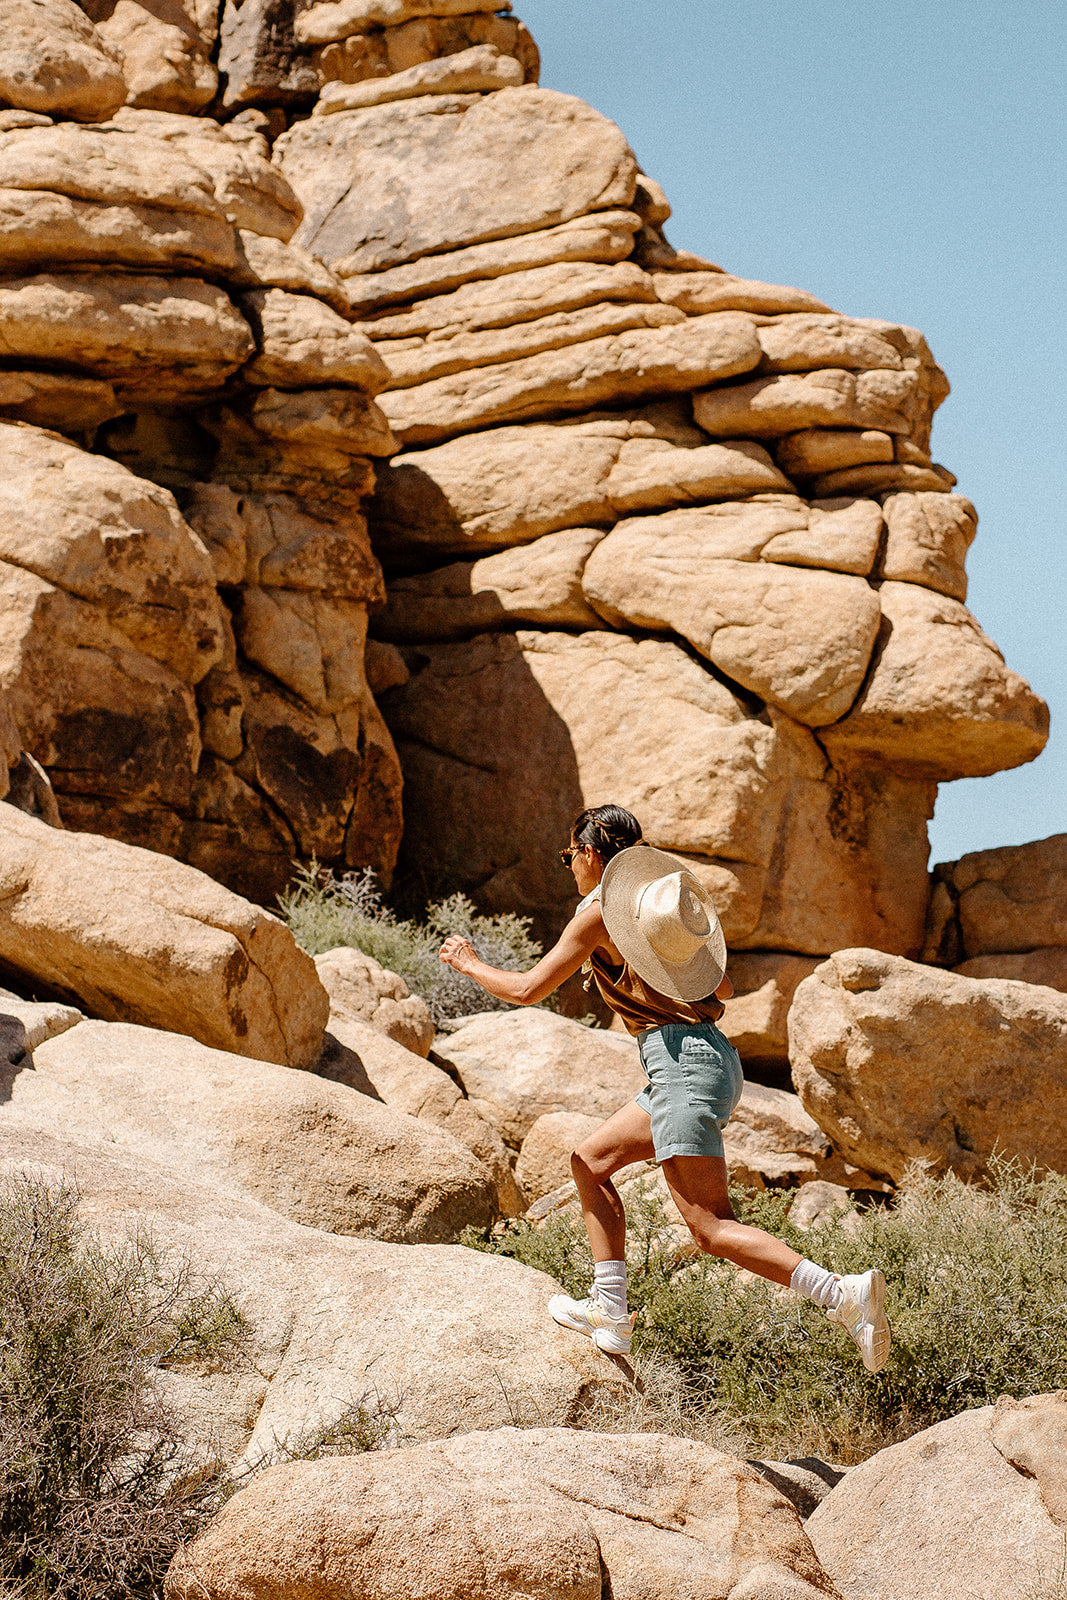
x: 663, y: 921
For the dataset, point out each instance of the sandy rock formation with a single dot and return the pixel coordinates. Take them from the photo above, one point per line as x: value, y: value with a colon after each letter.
x: 517, y: 1066
x: 550, y: 1511
x: 359, y: 986
x: 1002, y: 913
x: 899, y: 1062
x: 137, y: 937
x: 510, y: 302
x: 356, y: 1053
x: 316, y: 1152
x: 196, y: 685
x: 443, y: 1335
x: 634, y: 491
x: 975, y: 1507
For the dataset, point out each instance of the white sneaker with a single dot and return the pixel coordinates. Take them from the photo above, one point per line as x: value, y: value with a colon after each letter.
x: 862, y: 1314
x: 610, y: 1334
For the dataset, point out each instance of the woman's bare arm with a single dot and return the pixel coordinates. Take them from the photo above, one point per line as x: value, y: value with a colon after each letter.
x: 582, y: 935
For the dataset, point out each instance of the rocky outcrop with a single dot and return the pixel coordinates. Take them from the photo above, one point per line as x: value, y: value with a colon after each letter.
x: 517, y: 1066
x: 315, y: 1152
x: 1002, y: 913
x: 544, y: 1510
x: 975, y: 1506
x: 139, y: 938
x: 188, y: 597
x: 898, y: 1062
x: 432, y: 1336
x: 356, y: 1053
x: 359, y: 987
x: 632, y: 491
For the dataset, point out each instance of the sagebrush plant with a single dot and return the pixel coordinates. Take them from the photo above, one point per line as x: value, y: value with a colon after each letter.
x: 976, y: 1293
x: 98, y: 1485
x: 97, y: 1488
x: 325, y: 911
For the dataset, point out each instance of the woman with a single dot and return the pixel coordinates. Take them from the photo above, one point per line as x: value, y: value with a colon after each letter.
x: 647, y: 931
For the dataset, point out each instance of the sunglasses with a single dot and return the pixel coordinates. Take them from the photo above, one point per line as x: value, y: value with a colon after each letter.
x: 568, y: 855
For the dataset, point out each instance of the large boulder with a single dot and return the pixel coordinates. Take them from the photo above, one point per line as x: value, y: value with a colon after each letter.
x: 551, y: 1512
x: 798, y: 856
x: 357, y: 1053
x: 359, y: 986
x: 53, y: 60
x: 111, y: 620
x: 1001, y: 913
x: 899, y: 1062
x: 516, y: 1066
x: 418, y: 177
x: 166, y: 48
x: 939, y: 696
x: 433, y: 1335
x: 137, y: 937
x: 972, y: 1509
x: 317, y: 1152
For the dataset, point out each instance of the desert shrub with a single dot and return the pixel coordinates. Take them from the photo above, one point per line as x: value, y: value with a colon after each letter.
x: 325, y: 911
x: 976, y: 1293
x: 97, y: 1487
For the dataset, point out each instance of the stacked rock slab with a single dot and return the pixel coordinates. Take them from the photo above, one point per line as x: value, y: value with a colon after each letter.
x: 655, y: 533
x: 1002, y: 913
x: 185, y: 572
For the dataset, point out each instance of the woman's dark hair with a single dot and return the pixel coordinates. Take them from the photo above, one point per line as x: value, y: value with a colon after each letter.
x: 608, y: 829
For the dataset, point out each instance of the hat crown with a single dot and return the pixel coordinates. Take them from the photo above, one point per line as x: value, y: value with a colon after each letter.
x: 672, y: 913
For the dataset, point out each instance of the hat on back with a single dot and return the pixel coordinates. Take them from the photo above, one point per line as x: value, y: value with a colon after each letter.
x: 664, y: 923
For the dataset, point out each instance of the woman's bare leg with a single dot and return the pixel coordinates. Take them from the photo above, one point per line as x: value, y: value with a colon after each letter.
x: 698, y: 1185
x: 625, y: 1137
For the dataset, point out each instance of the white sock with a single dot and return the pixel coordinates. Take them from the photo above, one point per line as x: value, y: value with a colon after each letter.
x: 816, y: 1284
x: 609, y: 1280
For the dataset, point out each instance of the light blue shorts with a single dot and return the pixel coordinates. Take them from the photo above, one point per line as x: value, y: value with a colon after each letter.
x: 694, y: 1083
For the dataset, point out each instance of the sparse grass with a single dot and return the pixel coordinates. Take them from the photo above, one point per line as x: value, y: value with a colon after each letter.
x: 977, y: 1295
x: 325, y: 911
x: 98, y: 1486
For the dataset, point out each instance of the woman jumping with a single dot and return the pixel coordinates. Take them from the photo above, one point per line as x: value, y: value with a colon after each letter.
x: 648, y: 932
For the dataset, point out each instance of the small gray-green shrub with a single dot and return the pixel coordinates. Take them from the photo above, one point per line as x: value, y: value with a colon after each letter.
x: 325, y: 911
x: 97, y: 1487
x: 976, y: 1293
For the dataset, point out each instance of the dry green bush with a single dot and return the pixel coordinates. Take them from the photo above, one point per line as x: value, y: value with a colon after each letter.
x: 325, y: 911
x: 976, y: 1293
x: 98, y: 1486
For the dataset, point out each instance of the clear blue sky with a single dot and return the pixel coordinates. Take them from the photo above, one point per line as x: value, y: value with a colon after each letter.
x: 908, y: 162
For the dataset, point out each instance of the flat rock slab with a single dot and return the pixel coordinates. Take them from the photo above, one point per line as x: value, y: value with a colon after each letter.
x: 547, y: 1511
x: 138, y: 937
x: 316, y: 1152
x: 972, y: 1509
x: 399, y: 181
x: 900, y: 1062
x: 621, y: 366
x: 512, y: 484
x: 440, y: 1335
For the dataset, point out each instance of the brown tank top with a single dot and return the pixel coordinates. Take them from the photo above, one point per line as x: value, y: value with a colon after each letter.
x: 641, y: 1007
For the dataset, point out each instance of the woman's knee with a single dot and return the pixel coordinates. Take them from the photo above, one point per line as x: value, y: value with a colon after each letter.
x: 589, y: 1165
x: 709, y: 1232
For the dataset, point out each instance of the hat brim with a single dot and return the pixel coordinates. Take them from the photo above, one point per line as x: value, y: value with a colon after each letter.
x: 625, y: 876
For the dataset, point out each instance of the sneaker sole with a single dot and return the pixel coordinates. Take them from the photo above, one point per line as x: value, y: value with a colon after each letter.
x: 881, y: 1334
x: 610, y: 1344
